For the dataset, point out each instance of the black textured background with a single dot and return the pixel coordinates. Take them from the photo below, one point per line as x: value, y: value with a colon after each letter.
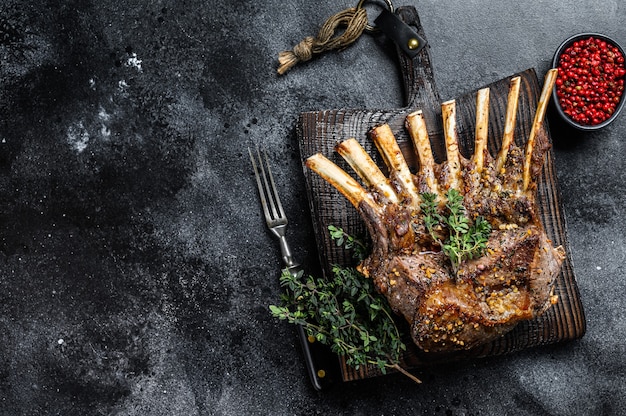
x: 135, y: 267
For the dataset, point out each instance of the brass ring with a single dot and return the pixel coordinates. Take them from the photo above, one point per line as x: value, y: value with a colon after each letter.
x: 370, y: 28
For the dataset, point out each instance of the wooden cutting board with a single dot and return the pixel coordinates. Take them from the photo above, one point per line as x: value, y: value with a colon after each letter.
x: 320, y: 131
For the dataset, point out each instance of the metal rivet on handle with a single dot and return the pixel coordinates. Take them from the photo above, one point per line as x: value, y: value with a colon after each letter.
x: 413, y: 44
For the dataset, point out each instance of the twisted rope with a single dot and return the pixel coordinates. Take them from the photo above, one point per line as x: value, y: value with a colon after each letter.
x: 353, y: 19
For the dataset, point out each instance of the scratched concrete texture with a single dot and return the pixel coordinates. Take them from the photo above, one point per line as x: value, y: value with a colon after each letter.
x: 135, y: 266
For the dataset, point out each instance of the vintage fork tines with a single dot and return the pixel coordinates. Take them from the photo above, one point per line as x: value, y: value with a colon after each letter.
x: 272, y: 207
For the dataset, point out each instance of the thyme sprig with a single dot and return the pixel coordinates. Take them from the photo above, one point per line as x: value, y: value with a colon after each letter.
x: 464, y: 240
x: 345, y: 312
x: 341, y: 238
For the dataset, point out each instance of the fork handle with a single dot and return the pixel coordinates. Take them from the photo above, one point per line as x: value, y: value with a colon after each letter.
x: 286, y: 253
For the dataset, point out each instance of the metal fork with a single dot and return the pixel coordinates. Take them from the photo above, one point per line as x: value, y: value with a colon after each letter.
x: 314, y: 353
x: 272, y: 208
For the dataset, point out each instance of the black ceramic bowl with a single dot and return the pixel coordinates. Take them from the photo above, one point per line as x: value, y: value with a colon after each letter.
x: 555, y: 64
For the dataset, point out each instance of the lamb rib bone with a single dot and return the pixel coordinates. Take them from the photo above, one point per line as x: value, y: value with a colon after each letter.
x: 513, y: 279
x: 400, y: 174
x: 363, y: 165
x: 509, y: 122
x: 482, y: 128
x: 537, y: 123
x: 416, y: 126
x: 341, y: 181
x: 453, y: 161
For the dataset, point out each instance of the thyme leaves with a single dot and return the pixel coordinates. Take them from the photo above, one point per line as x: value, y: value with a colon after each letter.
x: 452, y: 229
x: 345, y: 312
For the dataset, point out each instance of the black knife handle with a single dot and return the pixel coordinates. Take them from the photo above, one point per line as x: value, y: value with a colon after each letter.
x: 318, y: 359
x: 321, y: 364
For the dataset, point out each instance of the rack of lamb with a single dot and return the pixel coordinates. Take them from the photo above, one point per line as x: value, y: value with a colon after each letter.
x: 458, y: 247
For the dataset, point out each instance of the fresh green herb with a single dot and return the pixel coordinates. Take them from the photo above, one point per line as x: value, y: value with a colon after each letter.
x: 341, y: 238
x: 345, y: 312
x: 464, y: 240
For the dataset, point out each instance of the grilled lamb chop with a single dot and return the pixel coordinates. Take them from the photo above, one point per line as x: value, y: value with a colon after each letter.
x: 454, y: 306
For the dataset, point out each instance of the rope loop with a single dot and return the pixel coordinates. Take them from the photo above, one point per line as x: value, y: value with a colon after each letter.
x: 354, y: 20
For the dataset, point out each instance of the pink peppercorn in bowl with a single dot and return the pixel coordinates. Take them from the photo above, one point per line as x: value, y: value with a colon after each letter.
x: 589, y: 88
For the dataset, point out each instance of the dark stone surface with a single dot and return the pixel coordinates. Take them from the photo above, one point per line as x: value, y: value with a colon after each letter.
x: 135, y: 267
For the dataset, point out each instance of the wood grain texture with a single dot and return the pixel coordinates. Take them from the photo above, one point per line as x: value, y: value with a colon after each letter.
x: 320, y: 131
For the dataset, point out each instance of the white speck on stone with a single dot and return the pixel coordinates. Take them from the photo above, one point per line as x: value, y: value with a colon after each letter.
x: 105, y: 132
x: 134, y: 62
x: 103, y: 115
x: 122, y: 85
x: 598, y: 267
x: 92, y: 83
x: 61, y: 341
x: 78, y: 137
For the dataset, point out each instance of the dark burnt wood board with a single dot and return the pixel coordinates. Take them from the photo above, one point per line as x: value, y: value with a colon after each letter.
x: 320, y: 131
